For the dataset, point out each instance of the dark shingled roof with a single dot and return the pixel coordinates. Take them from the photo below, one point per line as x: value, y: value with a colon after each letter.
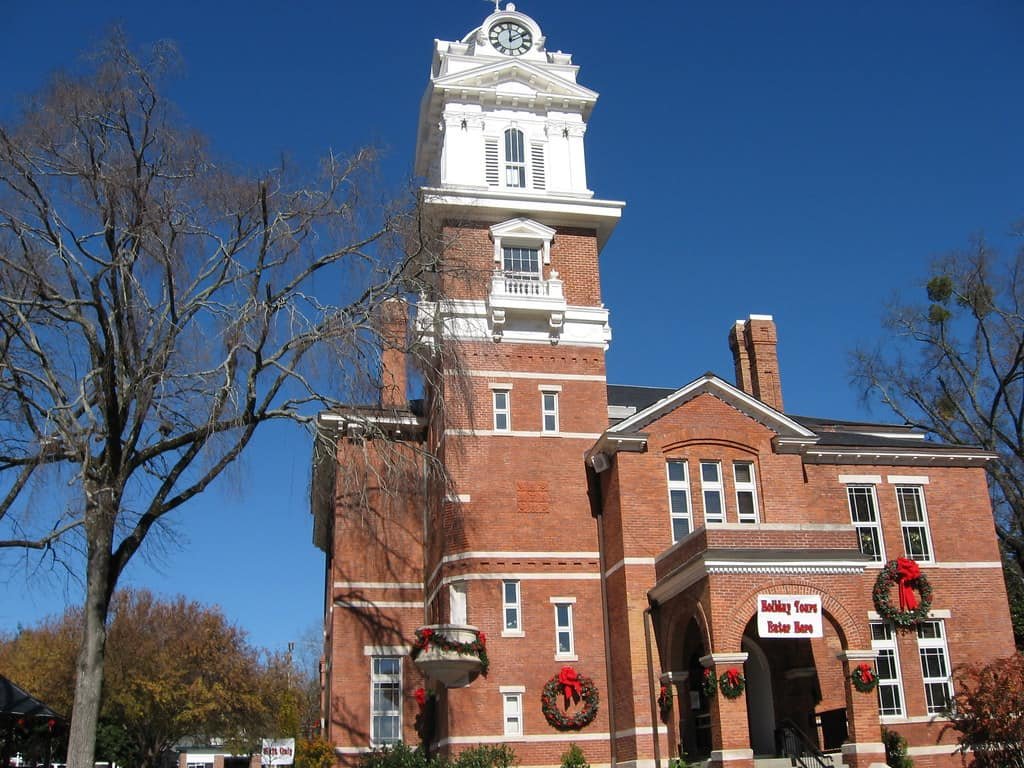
x: 831, y: 432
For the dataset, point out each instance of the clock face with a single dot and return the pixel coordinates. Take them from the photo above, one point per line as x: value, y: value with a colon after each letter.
x: 510, y: 38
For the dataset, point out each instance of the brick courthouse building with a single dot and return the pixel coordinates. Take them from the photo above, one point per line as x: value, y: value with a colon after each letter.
x: 646, y: 551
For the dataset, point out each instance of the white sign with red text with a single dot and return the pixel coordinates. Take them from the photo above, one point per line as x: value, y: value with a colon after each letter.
x: 789, y: 616
x: 278, y: 752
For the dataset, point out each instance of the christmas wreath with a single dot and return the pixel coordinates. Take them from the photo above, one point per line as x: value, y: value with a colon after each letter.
x: 709, y: 684
x: 864, y: 678
x: 732, y: 683
x: 906, y: 575
x: 665, y: 703
x: 427, y: 637
x: 570, y: 687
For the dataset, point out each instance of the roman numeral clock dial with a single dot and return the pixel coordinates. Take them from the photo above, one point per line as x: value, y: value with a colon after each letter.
x: 510, y: 38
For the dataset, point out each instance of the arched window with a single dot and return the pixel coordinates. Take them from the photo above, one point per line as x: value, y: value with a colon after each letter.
x: 515, y: 158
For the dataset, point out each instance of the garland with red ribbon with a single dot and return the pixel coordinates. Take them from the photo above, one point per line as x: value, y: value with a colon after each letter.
x: 426, y: 637
x: 426, y: 719
x: 709, y: 684
x: 572, y: 688
x: 907, y: 576
x: 731, y: 683
x: 665, y: 703
x: 864, y: 678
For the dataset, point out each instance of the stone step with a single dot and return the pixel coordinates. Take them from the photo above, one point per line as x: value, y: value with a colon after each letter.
x: 784, y: 762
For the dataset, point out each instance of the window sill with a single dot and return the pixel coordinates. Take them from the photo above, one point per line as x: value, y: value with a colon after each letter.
x: 513, y: 633
x: 566, y: 657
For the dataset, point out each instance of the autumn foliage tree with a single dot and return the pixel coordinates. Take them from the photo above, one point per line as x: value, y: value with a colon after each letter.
x: 988, y: 713
x: 155, y: 311
x: 174, y: 669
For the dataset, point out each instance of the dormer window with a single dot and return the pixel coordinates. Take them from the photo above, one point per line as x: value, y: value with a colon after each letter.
x: 515, y: 158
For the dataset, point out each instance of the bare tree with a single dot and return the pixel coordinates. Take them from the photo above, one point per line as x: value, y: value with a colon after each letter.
x: 155, y: 309
x: 955, y: 368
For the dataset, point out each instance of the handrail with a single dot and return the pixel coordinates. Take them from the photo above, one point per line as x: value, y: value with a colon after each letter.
x: 798, y: 747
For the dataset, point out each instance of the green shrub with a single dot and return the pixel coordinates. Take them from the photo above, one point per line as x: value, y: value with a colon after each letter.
x: 397, y: 756
x: 485, y: 756
x: 895, y: 750
x: 574, y: 758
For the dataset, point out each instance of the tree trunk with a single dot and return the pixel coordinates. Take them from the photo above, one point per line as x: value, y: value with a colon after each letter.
x: 99, y: 527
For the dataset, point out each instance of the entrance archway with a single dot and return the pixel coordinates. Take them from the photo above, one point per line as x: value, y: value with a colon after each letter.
x: 783, y: 688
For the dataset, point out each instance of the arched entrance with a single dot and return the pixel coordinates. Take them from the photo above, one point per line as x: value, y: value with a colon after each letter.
x: 783, y: 689
x: 786, y: 677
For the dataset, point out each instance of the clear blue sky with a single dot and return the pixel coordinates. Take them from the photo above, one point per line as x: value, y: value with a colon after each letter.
x: 803, y: 159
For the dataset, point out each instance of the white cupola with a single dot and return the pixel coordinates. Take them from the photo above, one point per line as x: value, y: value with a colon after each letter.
x: 502, y: 113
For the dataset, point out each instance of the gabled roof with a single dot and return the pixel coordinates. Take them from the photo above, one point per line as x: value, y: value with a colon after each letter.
x: 711, y: 384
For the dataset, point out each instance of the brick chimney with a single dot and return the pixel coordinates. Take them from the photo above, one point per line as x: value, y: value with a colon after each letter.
x: 753, y: 343
x: 393, y: 316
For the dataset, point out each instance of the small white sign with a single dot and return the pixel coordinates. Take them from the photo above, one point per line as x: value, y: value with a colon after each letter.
x: 789, y: 616
x: 278, y: 752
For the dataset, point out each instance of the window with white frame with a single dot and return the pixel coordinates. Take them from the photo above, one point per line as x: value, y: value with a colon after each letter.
x: 565, y: 646
x: 914, y: 521
x: 864, y: 515
x: 711, y: 488
x: 502, y: 410
x: 458, y: 603
x: 549, y: 411
x: 515, y: 158
x: 512, y: 709
x: 679, y: 499
x: 746, y: 492
x: 386, y: 700
x: 521, y: 262
x: 887, y: 666
x: 510, y: 607
x: 931, y: 644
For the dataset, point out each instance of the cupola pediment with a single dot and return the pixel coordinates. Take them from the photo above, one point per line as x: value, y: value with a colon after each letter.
x: 503, y: 75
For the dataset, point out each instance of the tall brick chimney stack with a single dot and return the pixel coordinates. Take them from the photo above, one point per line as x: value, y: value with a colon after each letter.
x: 393, y: 317
x: 754, y: 345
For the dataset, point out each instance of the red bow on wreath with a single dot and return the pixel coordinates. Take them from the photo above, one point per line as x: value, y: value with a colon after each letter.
x: 907, y: 571
x: 421, y: 697
x: 866, y: 674
x: 570, y: 683
x: 733, y: 676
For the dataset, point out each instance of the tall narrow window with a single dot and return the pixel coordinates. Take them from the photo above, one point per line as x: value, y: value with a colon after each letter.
x: 914, y: 520
x: 931, y: 644
x: 746, y: 492
x: 679, y: 499
x: 512, y: 709
x: 386, y: 700
x: 511, y: 607
x: 502, y: 411
x: 549, y: 411
x: 458, y: 603
x: 711, y: 486
x: 515, y: 158
x: 890, y: 692
x: 864, y: 514
x: 565, y: 647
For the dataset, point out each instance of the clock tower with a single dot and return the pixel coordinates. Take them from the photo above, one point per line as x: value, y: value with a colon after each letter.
x: 513, y: 551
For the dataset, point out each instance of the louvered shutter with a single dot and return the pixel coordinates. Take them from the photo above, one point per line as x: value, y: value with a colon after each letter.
x: 537, y: 163
x: 492, y: 173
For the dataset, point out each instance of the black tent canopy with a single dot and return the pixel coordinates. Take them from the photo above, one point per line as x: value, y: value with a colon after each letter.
x: 17, y: 702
